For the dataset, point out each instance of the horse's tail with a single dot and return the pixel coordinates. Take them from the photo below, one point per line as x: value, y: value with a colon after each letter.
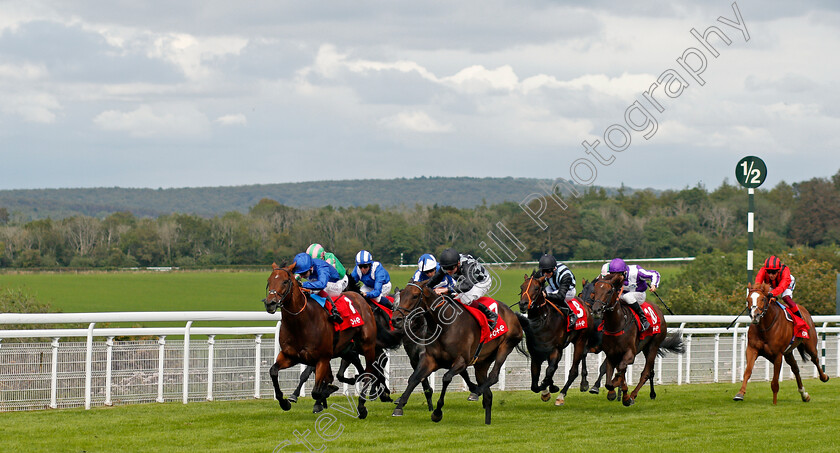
x: 526, y: 327
x: 385, y: 337
x: 673, y: 343
x: 803, y: 353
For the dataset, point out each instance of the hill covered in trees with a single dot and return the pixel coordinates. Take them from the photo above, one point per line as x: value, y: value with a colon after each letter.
x: 462, y: 192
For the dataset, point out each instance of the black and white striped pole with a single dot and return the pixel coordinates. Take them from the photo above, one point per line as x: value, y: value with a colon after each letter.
x: 750, y: 173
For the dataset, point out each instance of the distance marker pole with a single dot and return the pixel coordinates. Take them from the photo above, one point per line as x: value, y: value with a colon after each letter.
x: 750, y: 230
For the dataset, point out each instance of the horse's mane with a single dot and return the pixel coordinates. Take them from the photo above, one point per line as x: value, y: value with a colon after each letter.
x: 614, y: 278
x: 535, y: 274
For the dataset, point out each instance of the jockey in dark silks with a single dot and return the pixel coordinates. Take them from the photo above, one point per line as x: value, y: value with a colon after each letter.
x: 470, y: 281
x: 560, y: 285
x: 777, y: 275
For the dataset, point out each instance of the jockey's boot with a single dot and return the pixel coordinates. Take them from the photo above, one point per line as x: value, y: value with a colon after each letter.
x: 638, y: 309
x: 386, y: 303
x: 491, y: 315
x: 789, y: 302
x: 333, y: 316
x: 572, y: 317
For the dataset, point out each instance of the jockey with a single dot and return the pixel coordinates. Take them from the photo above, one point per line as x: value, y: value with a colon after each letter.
x: 560, y: 287
x: 470, y: 281
x: 636, y: 281
x: 427, y: 266
x: 320, y: 276
x: 375, y: 280
x: 777, y: 275
x: 317, y: 251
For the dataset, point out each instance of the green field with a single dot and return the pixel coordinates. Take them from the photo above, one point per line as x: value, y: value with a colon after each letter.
x: 698, y: 417
x: 198, y: 290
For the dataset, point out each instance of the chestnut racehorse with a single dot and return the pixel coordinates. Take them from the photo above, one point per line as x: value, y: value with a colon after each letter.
x: 452, y: 342
x: 546, y: 336
x: 621, y: 338
x: 771, y: 336
x: 307, y: 336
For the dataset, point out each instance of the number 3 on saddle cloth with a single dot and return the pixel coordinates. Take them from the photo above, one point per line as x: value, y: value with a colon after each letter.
x: 486, y: 334
x: 350, y: 317
x: 582, y: 320
x: 800, y: 327
x: 650, y: 314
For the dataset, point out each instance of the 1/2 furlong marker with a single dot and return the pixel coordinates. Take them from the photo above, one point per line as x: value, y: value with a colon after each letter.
x: 750, y: 173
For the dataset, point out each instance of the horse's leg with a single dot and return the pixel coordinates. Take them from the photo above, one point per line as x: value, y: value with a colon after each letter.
x: 501, y: 355
x: 458, y: 366
x: 791, y: 360
x: 602, y: 371
x: 536, y: 368
x: 621, y: 380
x: 811, y: 350
x: 304, y: 376
x: 579, y: 352
x: 465, y: 375
x: 385, y: 394
x: 548, y: 382
x: 752, y: 354
x: 650, y: 359
x: 584, y: 373
x: 425, y: 366
x: 428, y: 392
x: 487, y: 396
x: 323, y: 376
x: 774, y: 386
x: 280, y: 363
x: 652, y: 391
x: 347, y: 360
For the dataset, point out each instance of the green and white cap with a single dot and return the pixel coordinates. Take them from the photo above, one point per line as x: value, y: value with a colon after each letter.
x: 316, y: 251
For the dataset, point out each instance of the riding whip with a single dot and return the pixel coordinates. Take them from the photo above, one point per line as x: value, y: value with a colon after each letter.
x: 736, y: 318
x: 663, y: 302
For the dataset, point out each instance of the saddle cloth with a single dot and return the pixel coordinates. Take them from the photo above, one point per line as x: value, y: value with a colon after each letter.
x: 350, y: 317
x: 582, y: 320
x: 800, y: 327
x: 486, y: 334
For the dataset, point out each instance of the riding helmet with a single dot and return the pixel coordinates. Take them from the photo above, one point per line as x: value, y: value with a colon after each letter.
x: 363, y: 257
x: 316, y: 251
x: 618, y: 265
x: 773, y: 263
x: 303, y: 262
x: 449, y: 258
x: 427, y: 263
x: 548, y: 262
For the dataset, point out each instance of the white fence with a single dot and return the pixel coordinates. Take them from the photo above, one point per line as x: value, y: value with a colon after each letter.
x: 104, y: 369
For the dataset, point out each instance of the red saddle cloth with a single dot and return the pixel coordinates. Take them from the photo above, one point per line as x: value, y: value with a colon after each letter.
x: 386, y: 310
x: 486, y: 334
x: 582, y: 320
x: 350, y: 317
x: 655, y: 322
x: 800, y: 327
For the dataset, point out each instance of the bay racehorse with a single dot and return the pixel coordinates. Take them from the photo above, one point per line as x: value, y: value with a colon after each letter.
x: 546, y: 335
x: 621, y: 338
x: 452, y: 343
x: 307, y: 336
x: 771, y: 336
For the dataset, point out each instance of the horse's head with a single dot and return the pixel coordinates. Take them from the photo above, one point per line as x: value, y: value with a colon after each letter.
x: 408, y: 299
x: 758, y: 300
x: 530, y: 291
x: 605, y: 293
x: 279, y: 286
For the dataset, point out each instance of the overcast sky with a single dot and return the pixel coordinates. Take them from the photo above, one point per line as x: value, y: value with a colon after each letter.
x: 206, y: 93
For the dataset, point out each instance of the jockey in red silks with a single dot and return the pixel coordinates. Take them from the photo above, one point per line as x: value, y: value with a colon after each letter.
x: 777, y: 275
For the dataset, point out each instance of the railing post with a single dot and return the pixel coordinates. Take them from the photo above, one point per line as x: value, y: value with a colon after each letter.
x: 658, y: 372
x: 717, y: 355
x: 822, y: 350
x: 211, y: 340
x: 688, y: 359
x: 743, y: 353
x: 628, y: 376
x: 387, y: 370
x: 54, y: 377
x: 88, y: 364
x: 187, y: 362
x: 567, y: 362
x: 735, y: 353
x: 161, y: 357
x: 837, y: 355
x: 109, y: 355
x: 303, y: 387
x: 502, y: 376
x: 257, y: 362
x: 276, y: 342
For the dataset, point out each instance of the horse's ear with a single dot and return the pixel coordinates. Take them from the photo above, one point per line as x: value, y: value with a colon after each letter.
x: 584, y: 282
x: 290, y: 267
x: 526, y: 276
x: 274, y: 266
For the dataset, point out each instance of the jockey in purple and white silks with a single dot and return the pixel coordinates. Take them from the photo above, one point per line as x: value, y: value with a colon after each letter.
x: 375, y: 280
x: 636, y: 282
x: 427, y: 266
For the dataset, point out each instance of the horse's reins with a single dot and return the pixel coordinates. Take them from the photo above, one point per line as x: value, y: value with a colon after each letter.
x: 531, y: 300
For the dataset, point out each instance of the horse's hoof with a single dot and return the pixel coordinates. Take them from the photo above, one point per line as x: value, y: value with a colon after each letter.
x: 806, y: 397
x: 397, y: 413
x: 386, y: 398
x: 285, y: 404
x: 362, y: 413
x: 331, y: 389
x: 293, y: 399
x: 545, y: 395
x: 595, y: 390
x: 585, y: 387
x: 437, y: 415
x: 560, y: 400
x: 317, y: 408
x: 553, y: 388
x: 628, y: 402
x: 824, y: 380
x: 738, y: 397
x: 472, y: 397
x: 611, y: 395
x: 653, y: 396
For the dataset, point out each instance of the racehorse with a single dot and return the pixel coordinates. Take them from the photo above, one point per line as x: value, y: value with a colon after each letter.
x: 307, y: 336
x: 453, y: 342
x: 773, y: 340
x: 621, y: 338
x: 546, y: 336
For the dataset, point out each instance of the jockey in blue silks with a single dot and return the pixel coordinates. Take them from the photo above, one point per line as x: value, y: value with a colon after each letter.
x: 427, y: 266
x: 375, y: 280
x: 318, y: 275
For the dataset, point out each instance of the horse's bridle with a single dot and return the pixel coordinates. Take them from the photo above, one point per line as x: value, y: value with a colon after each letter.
x: 763, y: 310
x: 608, y: 306
x: 282, y: 299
